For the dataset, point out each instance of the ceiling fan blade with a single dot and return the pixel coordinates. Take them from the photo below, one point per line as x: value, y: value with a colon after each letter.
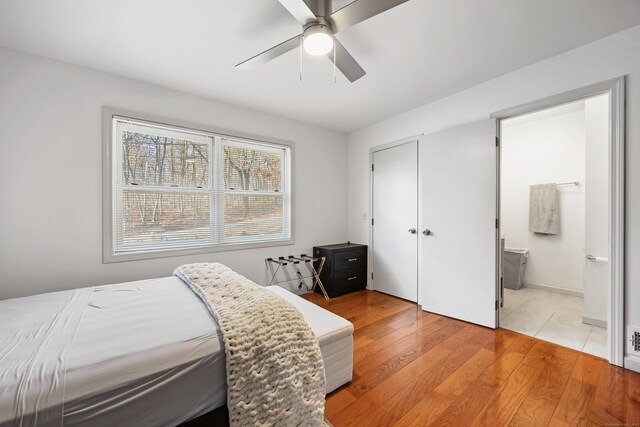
x: 345, y: 62
x: 299, y: 10
x: 360, y: 10
x: 270, y: 54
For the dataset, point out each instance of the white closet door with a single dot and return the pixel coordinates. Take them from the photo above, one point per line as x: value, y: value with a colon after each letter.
x: 458, y: 223
x: 395, y: 214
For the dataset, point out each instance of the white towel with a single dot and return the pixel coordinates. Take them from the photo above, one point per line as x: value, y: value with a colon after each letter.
x: 544, y: 209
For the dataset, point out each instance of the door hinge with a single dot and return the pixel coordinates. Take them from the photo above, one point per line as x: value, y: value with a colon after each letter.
x: 371, y: 276
x: 497, y: 141
x: 497, y: 304
x: 371, y: 221
x: 372, y: 167
x: 497, y: 223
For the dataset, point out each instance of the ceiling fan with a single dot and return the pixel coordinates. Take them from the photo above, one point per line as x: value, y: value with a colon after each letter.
x: 319, y: 26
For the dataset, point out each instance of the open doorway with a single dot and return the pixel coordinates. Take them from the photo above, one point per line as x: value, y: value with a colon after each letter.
x: 554, y: 224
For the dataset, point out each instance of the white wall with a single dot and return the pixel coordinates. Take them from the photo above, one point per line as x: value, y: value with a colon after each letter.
x: 538, y: 150
x: 604, y: 59
x: 596, y: 280
x: 51, y: 175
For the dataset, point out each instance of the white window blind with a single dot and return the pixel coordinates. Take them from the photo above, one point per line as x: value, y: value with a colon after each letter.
x: 180, y: 189
x: 255, y: 192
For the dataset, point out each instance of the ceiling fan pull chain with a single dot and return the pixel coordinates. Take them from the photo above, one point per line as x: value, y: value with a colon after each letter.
x: 334, y: 64
x: 301, y: 40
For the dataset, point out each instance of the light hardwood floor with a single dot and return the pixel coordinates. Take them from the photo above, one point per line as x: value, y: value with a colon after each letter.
x: 413, y: 368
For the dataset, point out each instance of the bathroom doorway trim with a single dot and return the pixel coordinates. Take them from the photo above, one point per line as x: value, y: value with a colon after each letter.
x: 616, y: 91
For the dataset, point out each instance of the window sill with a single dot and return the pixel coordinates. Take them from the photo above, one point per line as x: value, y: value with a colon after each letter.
x: 109, y: 257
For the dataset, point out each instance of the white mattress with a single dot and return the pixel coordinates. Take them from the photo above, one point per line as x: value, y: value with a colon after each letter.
x: 137, y: 353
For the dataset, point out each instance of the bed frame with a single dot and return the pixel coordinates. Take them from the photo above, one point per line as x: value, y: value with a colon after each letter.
x: 218, y: 417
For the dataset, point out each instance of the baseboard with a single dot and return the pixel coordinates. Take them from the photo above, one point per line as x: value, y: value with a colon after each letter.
x: 556, y: 289
x: 632, y: 362
x: 593, y: 321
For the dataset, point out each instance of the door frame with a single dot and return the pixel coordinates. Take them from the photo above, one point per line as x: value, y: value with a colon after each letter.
x: 616, y: 90
x: 372, y: 150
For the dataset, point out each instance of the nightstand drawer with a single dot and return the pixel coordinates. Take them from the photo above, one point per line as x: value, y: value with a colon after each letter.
x: 346, y: 260
x: 349, y: 280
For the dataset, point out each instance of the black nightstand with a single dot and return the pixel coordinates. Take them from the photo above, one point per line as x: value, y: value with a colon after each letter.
x: 345, y: 268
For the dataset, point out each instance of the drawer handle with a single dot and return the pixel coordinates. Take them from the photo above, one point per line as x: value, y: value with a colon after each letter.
x: 352, y: 278
x: 352, y: 259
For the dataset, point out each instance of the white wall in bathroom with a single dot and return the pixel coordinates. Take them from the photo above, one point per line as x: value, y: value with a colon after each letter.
x: 539, y: 148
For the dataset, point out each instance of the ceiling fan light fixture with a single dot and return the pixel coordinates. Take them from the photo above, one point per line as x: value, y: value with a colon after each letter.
x: 318, y: 40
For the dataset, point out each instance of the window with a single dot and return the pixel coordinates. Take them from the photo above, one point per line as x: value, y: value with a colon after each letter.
x: 176, y: 190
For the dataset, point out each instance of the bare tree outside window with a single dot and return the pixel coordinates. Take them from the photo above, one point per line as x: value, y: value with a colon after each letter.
x: 253, y: 202
x: 155, y: 170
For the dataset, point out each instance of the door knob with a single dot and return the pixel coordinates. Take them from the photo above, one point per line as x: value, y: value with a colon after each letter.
x: 413, y: 231
x: 426, y: 232
x: 597, y: 258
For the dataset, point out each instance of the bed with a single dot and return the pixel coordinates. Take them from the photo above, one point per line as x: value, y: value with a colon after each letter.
x: 141, y: 353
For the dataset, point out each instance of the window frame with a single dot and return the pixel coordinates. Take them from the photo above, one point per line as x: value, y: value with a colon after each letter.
x: 109, y: 151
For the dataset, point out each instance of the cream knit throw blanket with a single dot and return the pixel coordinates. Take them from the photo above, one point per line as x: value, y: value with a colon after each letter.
x: 275, y: 371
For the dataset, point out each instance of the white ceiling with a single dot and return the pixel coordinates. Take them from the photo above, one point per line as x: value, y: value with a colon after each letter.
x: 418, y: 52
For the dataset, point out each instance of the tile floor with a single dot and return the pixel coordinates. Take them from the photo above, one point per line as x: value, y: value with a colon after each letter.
x: 552, y: 317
